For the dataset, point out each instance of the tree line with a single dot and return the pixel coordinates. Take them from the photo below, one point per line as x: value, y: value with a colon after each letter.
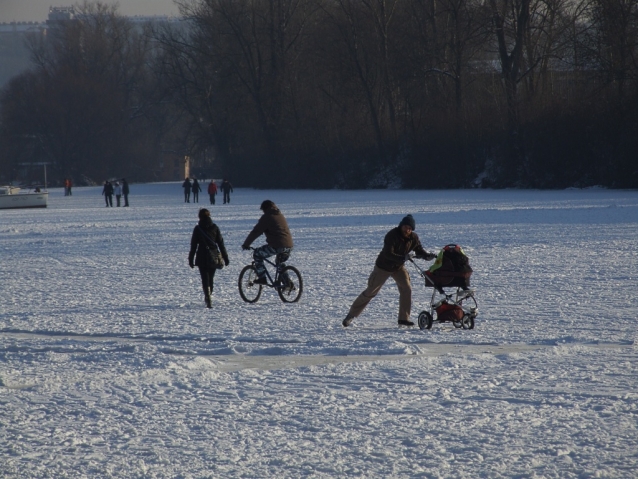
x: 338, y: 93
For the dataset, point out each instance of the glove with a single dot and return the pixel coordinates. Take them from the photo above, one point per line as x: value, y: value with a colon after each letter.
x: 244, y: 247
x: 226, y: 262
x: 190, y: 263
x: 429, y: 256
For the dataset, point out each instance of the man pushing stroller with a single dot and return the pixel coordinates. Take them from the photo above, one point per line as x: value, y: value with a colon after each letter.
x: 398, y: 243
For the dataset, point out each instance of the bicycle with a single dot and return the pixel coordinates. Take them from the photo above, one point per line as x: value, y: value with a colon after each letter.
x: 288, y: 281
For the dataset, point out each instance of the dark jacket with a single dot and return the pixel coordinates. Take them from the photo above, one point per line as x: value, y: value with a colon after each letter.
x: 272, y: 224
x: 187, y: 185
x: 108, y: 189
x: 199, y: 243
x: 196, y: 187
x: 227, y: 187
x: 395, y: 247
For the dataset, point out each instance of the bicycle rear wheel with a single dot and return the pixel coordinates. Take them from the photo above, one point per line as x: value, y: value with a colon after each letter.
x: 292, y: 285
x: 248, y: 290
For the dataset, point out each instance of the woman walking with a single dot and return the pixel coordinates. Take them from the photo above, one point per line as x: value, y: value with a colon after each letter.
x: 206, y: 237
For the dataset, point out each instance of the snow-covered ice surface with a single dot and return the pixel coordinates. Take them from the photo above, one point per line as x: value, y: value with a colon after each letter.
x: 110, y: 366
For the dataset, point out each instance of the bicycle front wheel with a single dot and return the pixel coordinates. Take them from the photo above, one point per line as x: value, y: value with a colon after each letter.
x: 248, y: 290
x: 292, y: 285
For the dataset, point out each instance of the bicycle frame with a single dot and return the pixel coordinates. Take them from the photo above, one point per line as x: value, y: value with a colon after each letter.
x: 273, y: 283
x: 286, y: 280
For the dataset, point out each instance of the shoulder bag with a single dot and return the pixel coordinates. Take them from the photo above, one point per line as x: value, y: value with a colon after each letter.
x: 213, y: 255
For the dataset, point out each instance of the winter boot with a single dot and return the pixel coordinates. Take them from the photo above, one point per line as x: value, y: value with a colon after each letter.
x: 208, y: 302
x: 348, y: 321
x: 405, y: 322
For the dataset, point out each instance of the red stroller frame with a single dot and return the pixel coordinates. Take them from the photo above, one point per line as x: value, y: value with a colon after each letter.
x: 459, y: 307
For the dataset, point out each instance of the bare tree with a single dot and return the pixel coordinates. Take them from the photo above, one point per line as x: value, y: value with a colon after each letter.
x: 612, y: 42
x: 87, y: 77
x: 241, y: 58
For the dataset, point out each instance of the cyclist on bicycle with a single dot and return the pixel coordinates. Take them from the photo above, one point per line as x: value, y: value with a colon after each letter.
x: 274, y: 226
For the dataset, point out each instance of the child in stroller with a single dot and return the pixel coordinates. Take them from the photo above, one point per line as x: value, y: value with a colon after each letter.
x: 450, y: 270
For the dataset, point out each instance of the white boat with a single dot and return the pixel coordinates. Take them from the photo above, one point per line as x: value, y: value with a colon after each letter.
x: 12, y: 197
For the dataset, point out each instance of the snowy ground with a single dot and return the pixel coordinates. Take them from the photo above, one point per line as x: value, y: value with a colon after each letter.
x: 110, y: 366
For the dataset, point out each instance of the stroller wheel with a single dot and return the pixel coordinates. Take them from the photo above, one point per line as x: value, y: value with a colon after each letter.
x: 468, y: 321
x: 457, y: 323
x: 425, y: 320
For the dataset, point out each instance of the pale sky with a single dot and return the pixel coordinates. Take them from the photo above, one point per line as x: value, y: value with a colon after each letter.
x: 37, y: 10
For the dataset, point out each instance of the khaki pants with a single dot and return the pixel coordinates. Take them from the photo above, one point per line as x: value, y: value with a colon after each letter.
x: 377, y: 279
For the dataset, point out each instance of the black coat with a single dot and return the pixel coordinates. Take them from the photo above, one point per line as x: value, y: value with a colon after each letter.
x: 199, y: 242
x: 227, y: 187
x: 395, y: 247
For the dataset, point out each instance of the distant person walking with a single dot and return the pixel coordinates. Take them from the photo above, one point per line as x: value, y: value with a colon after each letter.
x: 70, y: 187
x: 206, y: 235
x: 196, y: 190
x: 107, y: 191
x: 227, y: 189
x: 212, y: 191
x: 118, y: 193
x: 125, y: 191
x: 67, y: 187
x: 187, y: 190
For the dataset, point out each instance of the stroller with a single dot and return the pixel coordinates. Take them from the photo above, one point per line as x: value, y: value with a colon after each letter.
x: 450, y: 270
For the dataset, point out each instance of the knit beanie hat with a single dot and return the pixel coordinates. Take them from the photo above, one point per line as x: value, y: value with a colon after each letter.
x: 408, y: 220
